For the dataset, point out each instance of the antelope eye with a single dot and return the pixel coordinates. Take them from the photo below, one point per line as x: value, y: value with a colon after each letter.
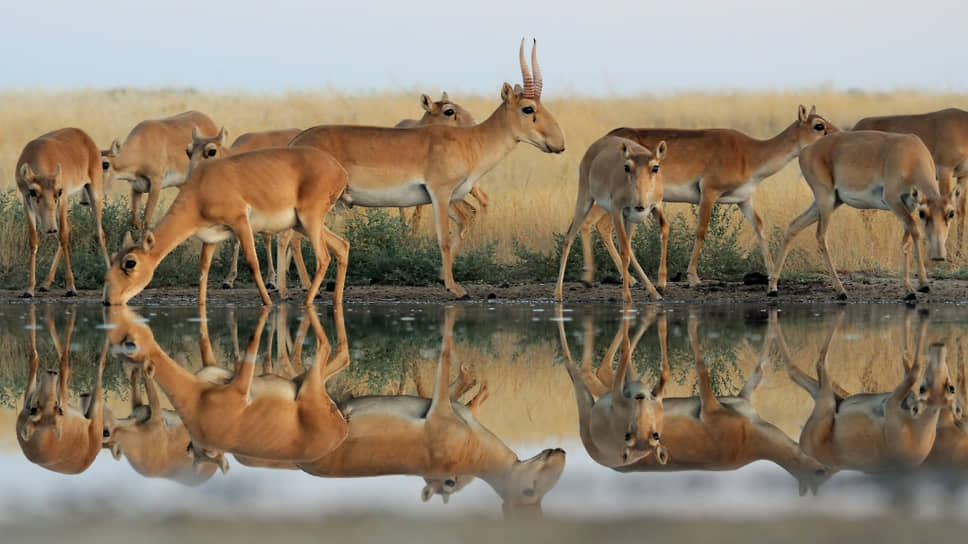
x: 130, y: 263
x: 105, y: 165
x: 33, y: 410
x: 210, y: 152
x: 923, y: 390
x: 528, y: 492
x: 921, y: 214
x: 628, y: 436
x: 33, y: 193
x: 914, y: 410
x: 450, y: 483
x: 951, y: 214
x: 628, y: 168
x: 818, y: 127
x: 106, y: 433
x: 60, y: 411
x: 655, y: 169
x: 951, y: 389
x: 60, y: 192
x: 448, y: 112
x: 527, y: 110
x: 188, y: 152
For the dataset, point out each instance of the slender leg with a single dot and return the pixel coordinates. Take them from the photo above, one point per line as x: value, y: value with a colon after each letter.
x: 481, y: 197
x: 154, y: 194
x: 625, y: 239
x: 582, y: 208
x: 809, y: 216
x: 826, y: 205
x: 296, y: 245
x: 706, y: 203
x: 271, y: 275
x: 65, y: 238
x: 757, y: 223
x: 135, y: 206
x: 599, y: 219
x: 205, y: 263
x: 440, y: 407
x: 707, y: 398
x: 229, y: 280
x: 913, y: 232
x: 583, y: 396
x: 664, y: 234
x: 282, y: 248
x: 415, y: 218
x: 97, y: 206
x: 245, y: 370
x: 34, y: 242
x: 243, y: 231
x: 441, y: 204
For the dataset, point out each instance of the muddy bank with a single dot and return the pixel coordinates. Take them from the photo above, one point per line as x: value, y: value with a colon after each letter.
x: 860, y: 288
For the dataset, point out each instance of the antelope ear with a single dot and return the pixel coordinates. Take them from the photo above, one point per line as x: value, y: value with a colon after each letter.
x: 127, y: 241
x: 813, y: 110
x: 223, y: 137
x: 661, y: 455
x: 426, y: 493
x: 196, y: 135
x: 27, y: 431
x: 57, y: 171
x: 148, y: 242
x: 444, y: 97
x: 26, y: 173
x: 660, y: 150
x: 223, y: 464
x: 116, y: 451
x: 426, y: 103
x: 115, y: 147
x: 911, y: 199
x: 508, y: 93
x: 625, y: 150
x: 955, y: 194
x: 802, y: 114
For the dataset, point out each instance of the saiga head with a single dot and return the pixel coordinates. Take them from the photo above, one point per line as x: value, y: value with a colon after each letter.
x: 45, y: 192
x: 527, y: 482
x: 935, y: 214
x: 811, y: 127
x: 131, y: 270
x: 642, y: 173
x: 530, y: 121
x: 444, y: 112
x: 203, y: 148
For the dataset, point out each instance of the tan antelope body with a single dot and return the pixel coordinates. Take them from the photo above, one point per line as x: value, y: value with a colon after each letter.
x: 724, y: 166
x: 624, y: 423
x: 622, y: 178
x: 268, y: 419
x: 51, y: 433
x: 446, y: 112
x: 152, y: 157
x: 154, y: 440
x: 945, y: 133
x: 437, y: 164
x: 269, y: 190
x: 51, y: 168
x: 436, y: 438
x: 950, y: 450
x: 202, y: 147
x: 873, y: 170
x: 874, y: 432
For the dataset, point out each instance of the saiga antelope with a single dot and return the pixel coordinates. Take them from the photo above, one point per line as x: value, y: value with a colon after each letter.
x: 437, y: 438
x: 875, y: 432
x: 445, y: 112
x: 623, y: 179
x: 267, y: 190
x: 203, y: 147
x: 51, y: 168
x: 950, y: 450
x: 51, y: 433
x: 624, y: 423
x: 438, y: 164
x: 154, y: 440
x: 724, y: 166
x: 268, y: 419
x: 152, y: 157
x: 874, y: 170
x: 945, y: 133
x: 724, y: 433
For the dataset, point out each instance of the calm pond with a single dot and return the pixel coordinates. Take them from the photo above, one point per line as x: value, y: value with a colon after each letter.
x: 520, y: 398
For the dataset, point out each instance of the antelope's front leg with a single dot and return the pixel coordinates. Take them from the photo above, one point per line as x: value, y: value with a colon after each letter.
x: 135, y: 206
x: 441, y: 206
x: 154, y: 194
x: 205, y: 263
x: 34, y: 242
x: 65, y: 238
x: 707, y: 200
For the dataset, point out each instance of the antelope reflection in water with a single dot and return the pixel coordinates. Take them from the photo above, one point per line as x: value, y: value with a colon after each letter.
x: 875, y: 432
x: 697, y: 433
x: 437, y: 438
x: 51, y: 433
x: 950, y: 450
x: 269, y: 417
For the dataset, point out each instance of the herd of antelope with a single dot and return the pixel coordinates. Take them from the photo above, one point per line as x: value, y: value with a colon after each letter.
x: 286, y: 181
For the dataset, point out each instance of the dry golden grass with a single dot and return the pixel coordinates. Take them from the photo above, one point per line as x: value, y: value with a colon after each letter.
x: 532, y: 192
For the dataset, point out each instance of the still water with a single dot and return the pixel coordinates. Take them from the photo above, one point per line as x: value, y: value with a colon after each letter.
x: 286, y: 412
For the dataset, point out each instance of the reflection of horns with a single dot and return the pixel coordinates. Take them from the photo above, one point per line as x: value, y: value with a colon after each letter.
x: 535, y: 69
x: 526, y: 76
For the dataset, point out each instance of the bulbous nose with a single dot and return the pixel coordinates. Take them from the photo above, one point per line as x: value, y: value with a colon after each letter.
x: 640, y: 208
x: 938, y: 259
x: 52, y: 230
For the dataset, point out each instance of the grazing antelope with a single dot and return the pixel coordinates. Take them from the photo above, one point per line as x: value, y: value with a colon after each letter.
x: 438, y: 164
x: 945, y: 133
x: 445, y: 112
x: 624, y: 423
x: 724, y: 433
x: 51, y: 433
x: 875, y: 432
x: 724, y: 166
x: 202, y: 147
x: 437, y: 438
x: 153, y: 157
x: 154, y: 440
x: 268, y: 190
x: 51, y: 168
x: 622, y: 178
x: 271, y: 418
x: 874, y: 170
x: 950, y: 450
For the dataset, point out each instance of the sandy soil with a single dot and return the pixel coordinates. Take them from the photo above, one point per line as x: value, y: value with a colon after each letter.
x: 860, y: 289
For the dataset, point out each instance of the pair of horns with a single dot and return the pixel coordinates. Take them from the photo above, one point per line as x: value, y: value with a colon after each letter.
x: 532, y: 79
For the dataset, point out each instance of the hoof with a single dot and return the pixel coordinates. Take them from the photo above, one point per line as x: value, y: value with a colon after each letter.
x: 226, y: 285
x: 27, y: 295
x: 70, y: 293
x: 775, y: 293
x: 271, y: 286
x: 43, y: 289
x: 924, y: 289
x: 911, y: 297
x: 842, y: 296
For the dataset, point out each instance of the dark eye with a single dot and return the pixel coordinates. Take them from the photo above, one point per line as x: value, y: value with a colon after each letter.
x: 60, y: 192
x: 818, y: 127
x: 189, y: 153
x: 914, y: 410
x: 951, y: 214
x: 951, y: 389
x: 628, y: 437
x: 921, y: 214
x: 130, y: 263
x: 527, y: 110
x: 448, y: 112
x: 210, y: 152
x: 628, y: 168
x: 450, y: 483
x: 60, y: 411
x: 923, y: 390
x: 528, y: 492
x: 33, y: 193
x: 106, y: 433
x: 33, y: 410
x: 655, y: 169
x: 105, y: 165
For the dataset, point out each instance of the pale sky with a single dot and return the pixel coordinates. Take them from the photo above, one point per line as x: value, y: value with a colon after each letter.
x: 590, y: 47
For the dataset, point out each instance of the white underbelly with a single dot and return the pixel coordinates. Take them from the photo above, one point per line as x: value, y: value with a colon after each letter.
x: 689, y: 193
x: 172, y: 178
x: 411, y: 193
x: 740, y: 194
x: 272, y: 222
x: 214, y: 235
x: 869, y: 198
